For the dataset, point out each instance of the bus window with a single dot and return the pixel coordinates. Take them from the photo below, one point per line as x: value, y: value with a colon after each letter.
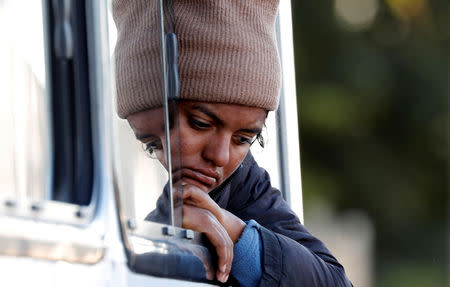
x: 47, y: 168
x: 45, y: 110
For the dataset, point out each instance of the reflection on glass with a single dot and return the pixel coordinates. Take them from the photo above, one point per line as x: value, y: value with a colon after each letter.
x: 142, y: 169
x: 149, y: 129
x: 23, y: 108
x: 143, y: 179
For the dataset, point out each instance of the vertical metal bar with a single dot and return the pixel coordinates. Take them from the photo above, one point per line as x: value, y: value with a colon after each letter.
x: 288, y: 142
x: 166, y: 108
x: 48, y: 101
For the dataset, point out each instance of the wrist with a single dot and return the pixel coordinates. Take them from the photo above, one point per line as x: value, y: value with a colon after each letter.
x: 233, y: 224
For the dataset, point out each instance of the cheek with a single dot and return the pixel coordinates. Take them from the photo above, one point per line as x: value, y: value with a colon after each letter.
x: 236, y: 157
x: 187, y: 141
x: 190, y: 144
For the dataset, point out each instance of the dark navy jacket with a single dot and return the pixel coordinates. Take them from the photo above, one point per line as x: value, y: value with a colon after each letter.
x: 291, y: 256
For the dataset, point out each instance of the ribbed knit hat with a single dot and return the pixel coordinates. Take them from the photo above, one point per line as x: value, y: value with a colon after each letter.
x: 227, y: 53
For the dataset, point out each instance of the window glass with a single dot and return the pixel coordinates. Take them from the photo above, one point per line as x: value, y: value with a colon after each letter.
x: 141, y: 167
x: 24, y: 105
x: 141, y: 178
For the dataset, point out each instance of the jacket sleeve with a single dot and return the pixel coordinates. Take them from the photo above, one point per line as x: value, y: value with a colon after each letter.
x: 291, y: 256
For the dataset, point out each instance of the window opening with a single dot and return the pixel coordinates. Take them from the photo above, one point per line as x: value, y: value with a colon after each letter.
x: 45, y: 111
x: 156, y: 237
x: 72, y: 143
x: 159, y: 238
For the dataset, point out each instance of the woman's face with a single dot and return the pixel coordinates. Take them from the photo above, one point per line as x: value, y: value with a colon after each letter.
x: 213, y: 139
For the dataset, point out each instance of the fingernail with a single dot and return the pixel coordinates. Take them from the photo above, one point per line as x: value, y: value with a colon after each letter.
x: 223, y: 278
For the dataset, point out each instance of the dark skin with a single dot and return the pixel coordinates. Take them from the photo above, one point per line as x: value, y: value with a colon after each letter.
x: 215, y: 138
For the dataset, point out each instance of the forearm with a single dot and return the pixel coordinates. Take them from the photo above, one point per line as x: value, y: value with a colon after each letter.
x: 232, y: 224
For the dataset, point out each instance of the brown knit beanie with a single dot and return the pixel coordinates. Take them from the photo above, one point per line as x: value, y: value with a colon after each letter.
x: 227, y: 53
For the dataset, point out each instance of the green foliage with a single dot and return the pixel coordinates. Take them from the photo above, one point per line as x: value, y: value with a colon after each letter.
x: 374, y: 128
x: 412, y: 275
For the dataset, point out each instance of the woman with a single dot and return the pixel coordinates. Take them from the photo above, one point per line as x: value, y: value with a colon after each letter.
x: 230, y: 80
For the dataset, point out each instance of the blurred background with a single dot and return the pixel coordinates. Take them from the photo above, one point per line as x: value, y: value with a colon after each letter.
x: 372, y: 88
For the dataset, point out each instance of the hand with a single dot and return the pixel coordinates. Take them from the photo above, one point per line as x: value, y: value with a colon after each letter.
x: 203, y: 220
x: 232, y: 224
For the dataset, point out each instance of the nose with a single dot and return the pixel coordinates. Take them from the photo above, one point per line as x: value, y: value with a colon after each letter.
x: 217, y: 150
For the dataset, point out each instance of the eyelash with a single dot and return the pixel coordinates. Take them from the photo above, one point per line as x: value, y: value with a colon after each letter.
x: 245, y: 140
x: 151, y: 147
x: 196, y: 124
x: 240, y: 140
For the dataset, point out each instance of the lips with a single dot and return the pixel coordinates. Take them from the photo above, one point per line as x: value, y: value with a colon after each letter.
x: 207, y: 178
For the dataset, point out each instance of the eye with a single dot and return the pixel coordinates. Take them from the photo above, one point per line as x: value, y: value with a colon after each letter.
x: 152, y: 146
x: 198, y: 124
x: 244, y: 140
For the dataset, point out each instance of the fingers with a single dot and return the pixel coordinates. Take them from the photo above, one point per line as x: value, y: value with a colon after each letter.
x: 196, y: 197
x: 232, y: 224
x: 224, y: 249
x: 204, y: 221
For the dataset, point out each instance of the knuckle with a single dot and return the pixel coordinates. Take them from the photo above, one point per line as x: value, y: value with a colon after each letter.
x: 224, y: 244
x: 205, y: 217
x: 186, y: 192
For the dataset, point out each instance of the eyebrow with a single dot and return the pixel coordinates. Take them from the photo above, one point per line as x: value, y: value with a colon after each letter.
x: 209, y: 113
x: 252, y: 131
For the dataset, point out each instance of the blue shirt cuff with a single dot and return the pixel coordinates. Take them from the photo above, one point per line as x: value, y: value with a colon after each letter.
x: 246, y: 266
